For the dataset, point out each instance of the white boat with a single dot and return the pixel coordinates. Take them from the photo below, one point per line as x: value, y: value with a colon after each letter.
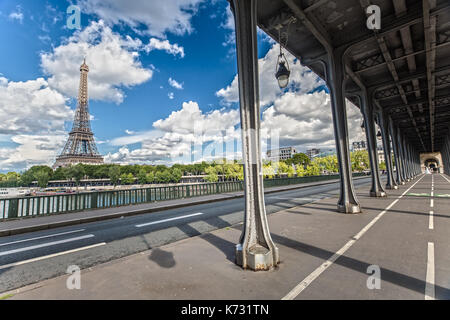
x: 14, y: 192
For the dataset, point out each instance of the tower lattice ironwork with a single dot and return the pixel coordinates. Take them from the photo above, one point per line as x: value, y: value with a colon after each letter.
x: 80, y: 147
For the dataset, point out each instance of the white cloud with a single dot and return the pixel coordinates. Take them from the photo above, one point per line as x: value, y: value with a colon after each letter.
x: 302, y: 79
x: 165, y: 45
x: 32, y: 117
x: 17, y: 15
x: 31, y: 107
x: 306, y: 120
x: 112, y: 60
x: 167, y: 16
x: 32, y: 150
x: 170, y: 95
x: 172, y: 139
x: 301, y: 116
x: 175, y: 84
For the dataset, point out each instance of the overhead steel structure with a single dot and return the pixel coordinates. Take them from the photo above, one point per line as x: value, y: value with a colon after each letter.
x: 397, y: 74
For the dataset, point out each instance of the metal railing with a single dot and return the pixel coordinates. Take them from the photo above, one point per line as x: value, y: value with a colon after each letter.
x: 12, y: 208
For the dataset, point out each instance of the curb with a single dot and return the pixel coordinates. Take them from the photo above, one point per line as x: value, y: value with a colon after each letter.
x: 10, y: 232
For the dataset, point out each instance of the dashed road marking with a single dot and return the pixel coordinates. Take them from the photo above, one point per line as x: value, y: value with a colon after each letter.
x: 429, y: 287
x: 169, y: 219
x: 318, y: 271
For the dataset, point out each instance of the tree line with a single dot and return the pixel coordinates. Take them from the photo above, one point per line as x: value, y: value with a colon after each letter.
x: 220, y: 170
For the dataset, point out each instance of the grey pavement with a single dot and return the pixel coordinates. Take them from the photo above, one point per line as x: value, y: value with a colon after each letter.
x: 324, y: 254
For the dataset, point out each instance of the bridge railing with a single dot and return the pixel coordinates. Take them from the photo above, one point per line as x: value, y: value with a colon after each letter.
x: 13, y: 208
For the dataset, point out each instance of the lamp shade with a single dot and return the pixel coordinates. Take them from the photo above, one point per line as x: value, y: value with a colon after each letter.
x: 282, y: 75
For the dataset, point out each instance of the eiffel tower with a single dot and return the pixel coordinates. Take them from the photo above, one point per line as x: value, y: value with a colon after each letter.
x: 80, y: 147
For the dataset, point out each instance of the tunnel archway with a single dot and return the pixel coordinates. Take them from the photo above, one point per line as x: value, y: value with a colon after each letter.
x: 432, y: 161
x: 432, y: 164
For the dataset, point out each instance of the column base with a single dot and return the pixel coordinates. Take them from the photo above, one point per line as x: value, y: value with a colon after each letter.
x: 391, y: 187
x: 378, y: 194
x: 402, y: 183
x: 349, y: 208
x: 259, y: 258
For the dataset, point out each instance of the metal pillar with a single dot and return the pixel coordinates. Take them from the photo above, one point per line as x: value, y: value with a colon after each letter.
x: 256, y: 249
x: 403, y: 153
x: 348, y: 203
x: 408, y: 159
x: 402, y: 156
x: 390, y: 184
x: 398, y: 163
x: 369, y: 123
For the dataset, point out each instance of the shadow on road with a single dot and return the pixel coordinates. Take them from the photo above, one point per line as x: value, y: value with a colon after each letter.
x: 163, y: 258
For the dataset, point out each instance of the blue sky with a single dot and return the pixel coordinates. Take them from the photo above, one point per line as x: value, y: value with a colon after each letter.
x: 157, y: 70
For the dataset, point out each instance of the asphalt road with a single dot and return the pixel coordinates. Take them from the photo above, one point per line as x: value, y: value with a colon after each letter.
x: 32, y: 257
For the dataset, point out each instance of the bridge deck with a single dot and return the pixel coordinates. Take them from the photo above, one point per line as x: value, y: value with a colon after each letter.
x: 325, y: 255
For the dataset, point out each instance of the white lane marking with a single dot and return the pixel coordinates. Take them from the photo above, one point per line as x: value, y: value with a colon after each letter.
x: 432, y: 193
x: 316, y: 273
x: 444, y: 177
x: 432, y: 203
x: 431, y: 221
x: 169, y: 219
x: 290, y: 198
x: 36, y: 238
x: 429, y: 287
x: 47, y: 244
x: 51, y: 255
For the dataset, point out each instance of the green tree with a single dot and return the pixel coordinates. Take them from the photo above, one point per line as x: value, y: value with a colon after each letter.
x: 127, y: 178
x: 142, y: 176
x: 12, y: 176
x: 313, y: 169
x: 114, y: 175
x: 27, y: 178
x: 163, y: 176
x: 76, y: 173
x: 300, y: 170
x: 360, y: 160
x: 176, y: 174
x: 299, y: 158
x: 42, y: 178
x: 150, y: 177
x: 211, y: 174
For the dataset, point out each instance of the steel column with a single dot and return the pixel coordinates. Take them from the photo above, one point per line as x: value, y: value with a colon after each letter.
x: 383, y: 122
x: 256, y: 249
x: 398, y: 163
x: 348, y: 203
x: 369, y: 123
x: 404, y: 156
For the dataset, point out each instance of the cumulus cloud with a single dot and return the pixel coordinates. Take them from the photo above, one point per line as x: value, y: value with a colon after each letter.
x: 165, y: 45
x: 168, y: 16
x: 32, y: 117
x: 306, y: 120
x: 302, y: 79
x: 112, y: 60
x: 173, y: 83
x: 31, y: 107
x: 32, y: 150
x: 185, y: 133
x: 302, y: 113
